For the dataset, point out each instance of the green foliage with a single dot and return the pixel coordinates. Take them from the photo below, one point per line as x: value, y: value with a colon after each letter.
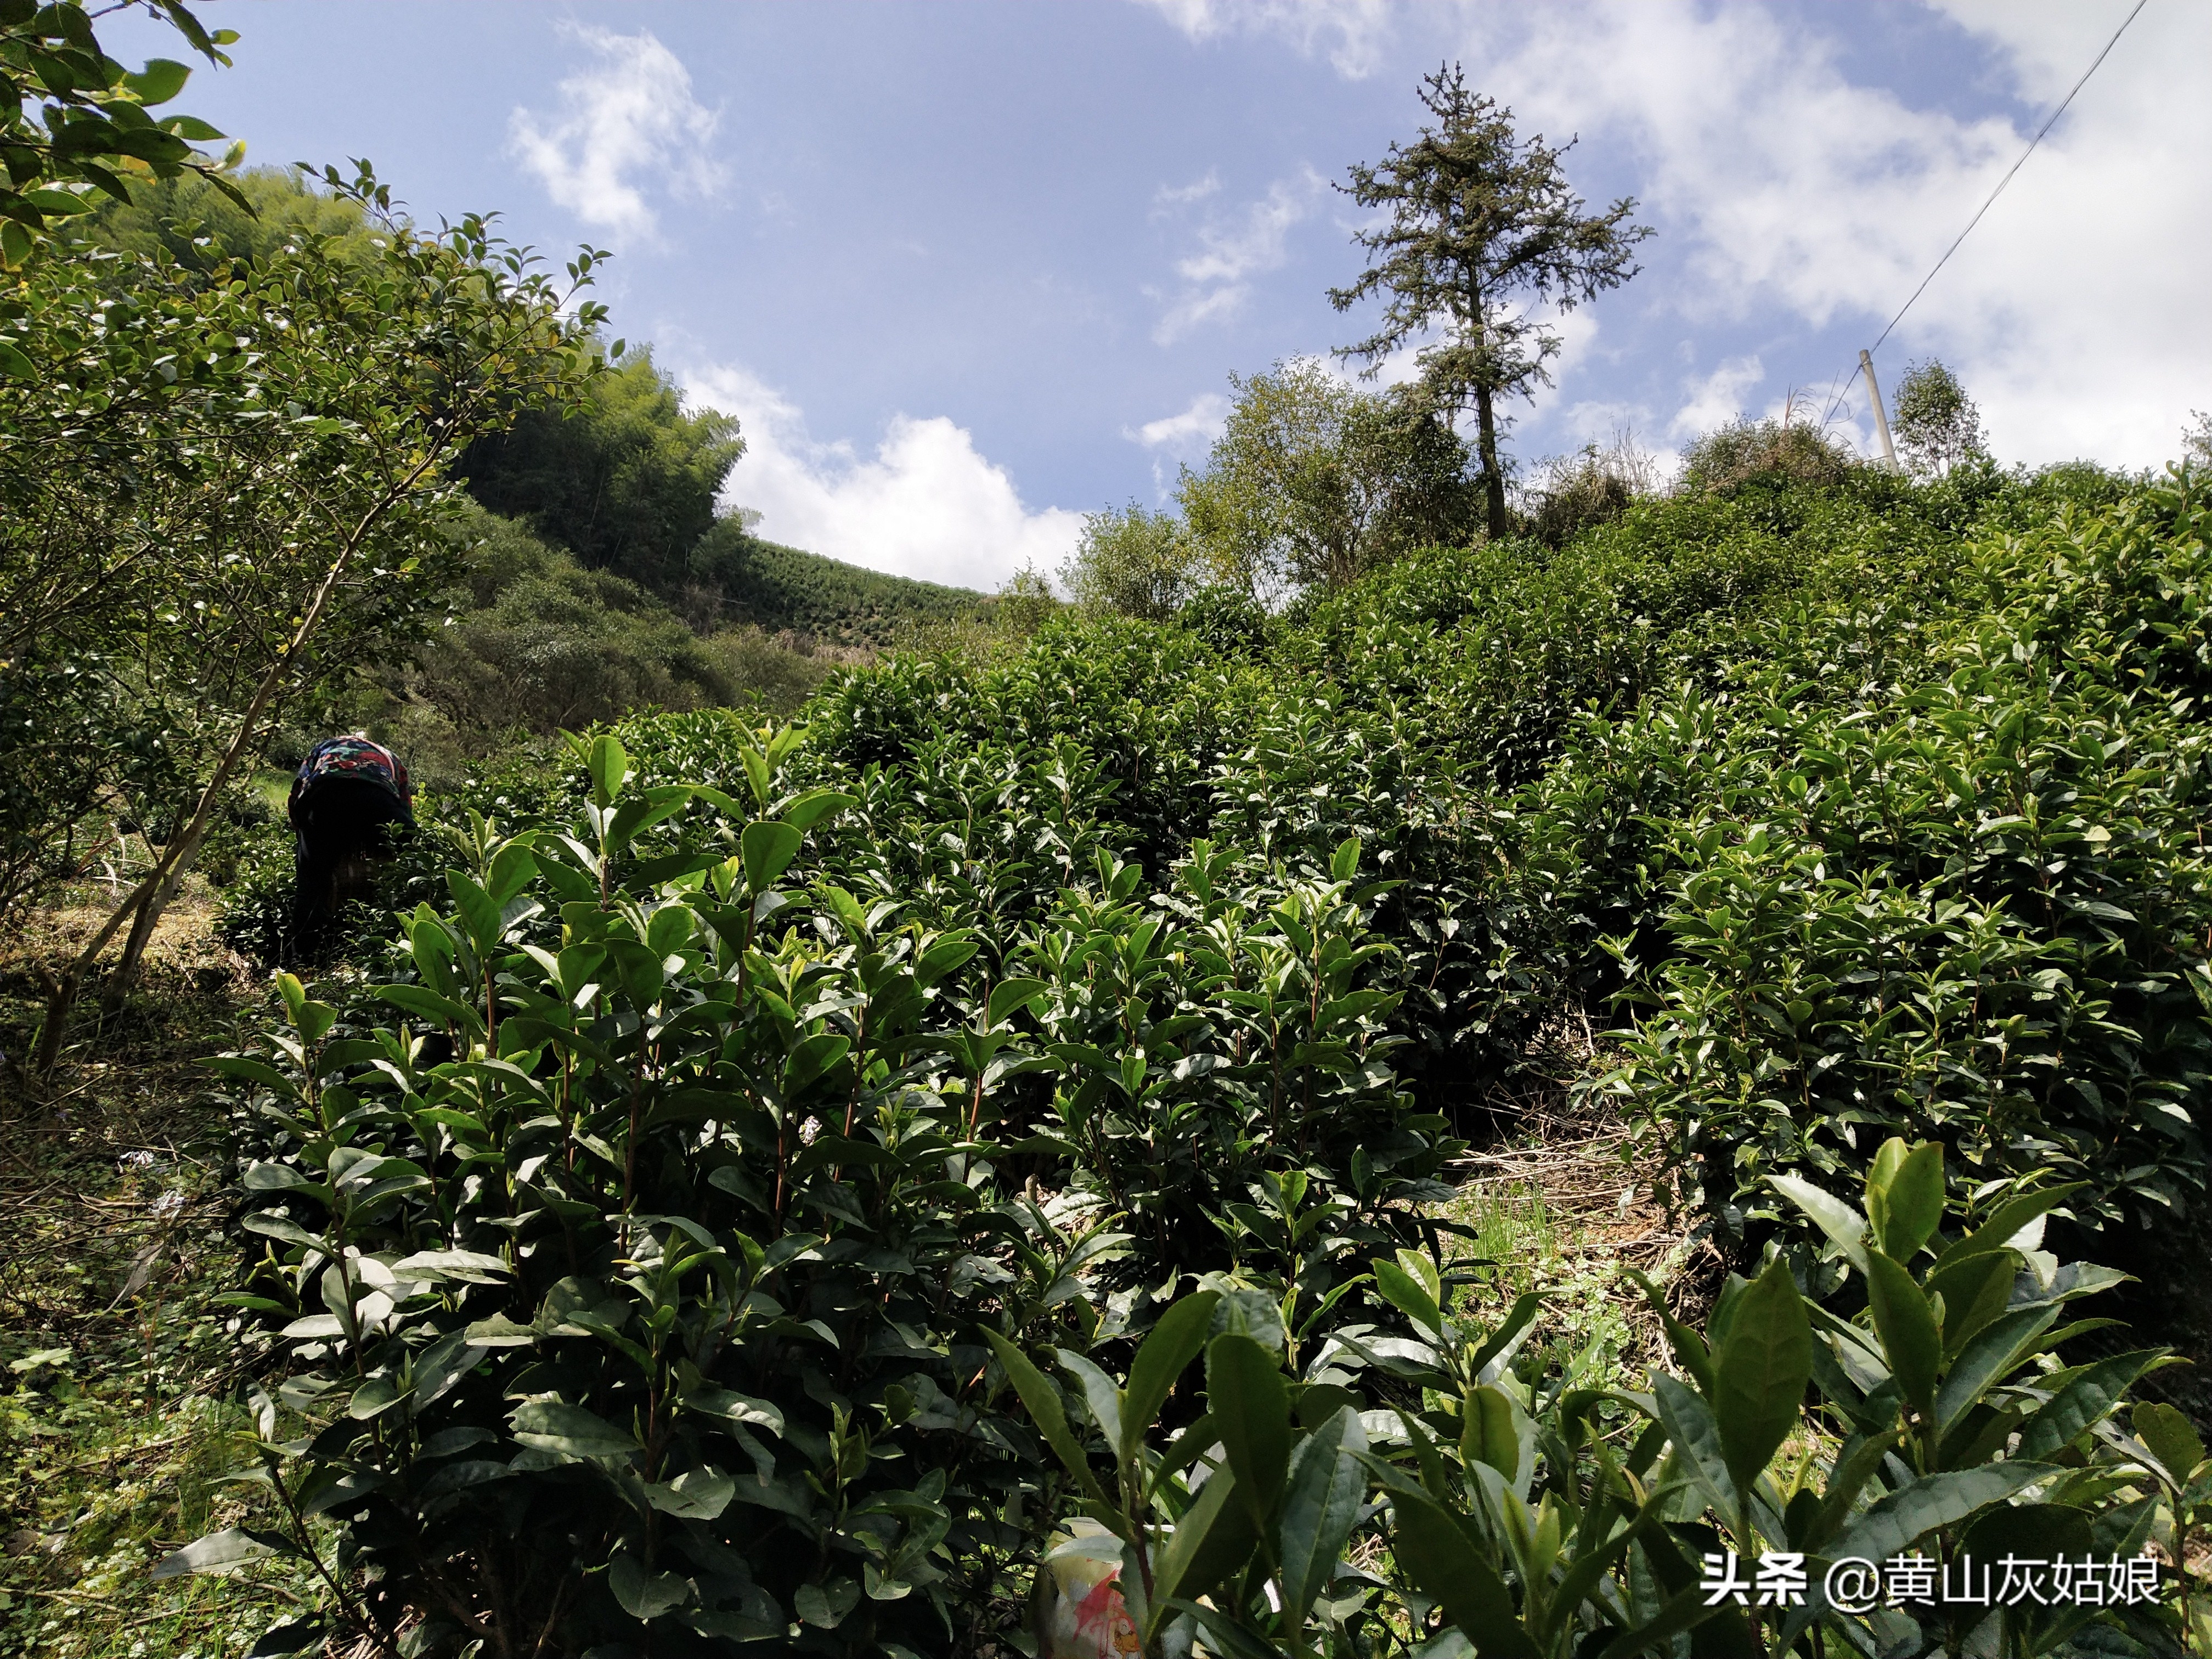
x: 1593, y: 487
x: 206, y: 512
x: 1025, y: 602
x: 1746, y: 451
x: 196, y: 227
x: 1937, y: 425
x: 1877, y: 797
x: 2197, y: 439
x: 734, y: 577
x: 1133, y: 563
x: 1529, y: 1513
x: 1484, y: 233
x: 1959, y: 893
x: 662, y: 1305
x: 1310, y: 484
x: 625, y: 480
x: 557, y: 646
x: 1231, y: 624
x: 77, y: 121
x: 537, y: 643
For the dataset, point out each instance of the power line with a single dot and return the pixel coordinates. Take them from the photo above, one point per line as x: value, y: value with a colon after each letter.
x: 2050, y: 122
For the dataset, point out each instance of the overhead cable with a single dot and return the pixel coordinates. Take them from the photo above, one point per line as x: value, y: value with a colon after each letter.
x: 2050, y: 121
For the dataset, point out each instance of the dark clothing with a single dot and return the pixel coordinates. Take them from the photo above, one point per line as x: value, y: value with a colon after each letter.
x: 349, y: 794
x: 352, y: 757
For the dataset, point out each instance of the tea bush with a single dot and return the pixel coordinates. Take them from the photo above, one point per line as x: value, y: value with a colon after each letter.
x: 636, y: 1278
x: 1823, y: 702
x: 1431, y: 1492
x: 758, y: 1109
x: 1969, y: 900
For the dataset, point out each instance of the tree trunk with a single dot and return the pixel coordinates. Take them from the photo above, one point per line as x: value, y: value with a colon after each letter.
x: 1493, y: 481
x: 149, y: 915
x: 142, y: 910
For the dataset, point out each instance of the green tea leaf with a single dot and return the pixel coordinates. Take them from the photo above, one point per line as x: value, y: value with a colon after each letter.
x: 1195, y: 1560
x: 1042, y: 1401
x: 1431, y: 1545
x: 769, y: 847
x: 1904, y: 1197
x: 162, y: 79
x: 1490, y: 1431
x: 1321, y: 1502
x: 1842, y: 1223
x: 1173, y: 1344
x: 1407, y: 1294
x: 695, y: 1495
x: 1250, y: 1404
x: 2172, y: 1438
x: 2088, y: 1399
x: 1011, y: 994
x: 551, y: 1427
x: 1890, y: 1524
x: 644, y: 1595
x: 1910, y: 1340
x: 1991, y: 1357
x: 1760, y: 1372
x: 609, y: 764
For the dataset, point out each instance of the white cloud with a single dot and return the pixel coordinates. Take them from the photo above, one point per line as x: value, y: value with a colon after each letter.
x: 1192, y: 431
x: 925, y: 504
x: 1716, y: 398
x: 631, y: 115
x: 1354, y: 33
x: 1233, y: 248
x: 2073, y: 311
x: 1181, y: 440
x: 1193, y: 308
x: 1176, y: 196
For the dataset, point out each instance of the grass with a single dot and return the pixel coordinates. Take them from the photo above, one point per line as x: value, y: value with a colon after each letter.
x: 1554, y: 1211
x: 118, y: 1373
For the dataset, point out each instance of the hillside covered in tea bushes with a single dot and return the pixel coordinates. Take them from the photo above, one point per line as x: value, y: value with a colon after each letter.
x: 1898, y: 777
x: 1431, y: 1059
x: 765, y: 1109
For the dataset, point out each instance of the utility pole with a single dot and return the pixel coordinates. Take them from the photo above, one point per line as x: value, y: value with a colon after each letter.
x: 1880, y: 415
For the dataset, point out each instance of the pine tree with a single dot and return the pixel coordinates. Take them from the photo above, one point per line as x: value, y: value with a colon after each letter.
x: 1483, y: 228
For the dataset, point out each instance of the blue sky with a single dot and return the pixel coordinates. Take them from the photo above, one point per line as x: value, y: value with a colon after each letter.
x: 964, y: 272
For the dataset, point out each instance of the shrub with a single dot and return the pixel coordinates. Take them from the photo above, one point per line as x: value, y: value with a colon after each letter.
x: 1970, y: 905
x: 656, y: 1310
x: 1746, y: 449
x: 1521, y: 1513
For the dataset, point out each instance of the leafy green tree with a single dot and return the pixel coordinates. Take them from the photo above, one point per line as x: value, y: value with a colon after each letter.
x: 1482, y: 231
x: 1133, y: 561
x: 625, y: 480
x: 1025, y: 602
x: 1313, y: 482
x: 203, y: 224
x: 1591, y: 487
x: 208, y: 515
x: 2197, y: 439
x: 542, y: 644
x: 1938, y: 427
x: 73, y: 121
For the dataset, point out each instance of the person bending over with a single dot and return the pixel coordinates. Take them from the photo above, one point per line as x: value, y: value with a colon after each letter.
x: 347, y: 794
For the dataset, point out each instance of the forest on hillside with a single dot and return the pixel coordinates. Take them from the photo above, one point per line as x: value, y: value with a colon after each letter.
x: 1427, y: 1056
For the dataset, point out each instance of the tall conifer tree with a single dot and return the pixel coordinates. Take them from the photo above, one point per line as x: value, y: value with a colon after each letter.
x: 1482, y: 229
